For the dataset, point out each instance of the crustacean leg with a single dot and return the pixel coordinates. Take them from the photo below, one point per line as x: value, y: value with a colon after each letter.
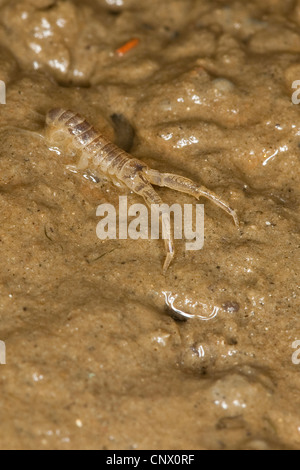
x: 184, y: 185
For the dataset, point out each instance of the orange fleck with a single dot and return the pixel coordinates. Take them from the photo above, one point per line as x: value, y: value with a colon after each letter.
x: 127, y: 47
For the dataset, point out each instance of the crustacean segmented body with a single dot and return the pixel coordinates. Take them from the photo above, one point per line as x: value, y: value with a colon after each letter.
x: 101, y: 156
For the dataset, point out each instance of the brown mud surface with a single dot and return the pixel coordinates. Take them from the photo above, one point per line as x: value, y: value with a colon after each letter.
x: 96, y: 356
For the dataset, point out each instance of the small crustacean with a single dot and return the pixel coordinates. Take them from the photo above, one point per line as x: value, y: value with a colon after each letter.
x: 67, y: 129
